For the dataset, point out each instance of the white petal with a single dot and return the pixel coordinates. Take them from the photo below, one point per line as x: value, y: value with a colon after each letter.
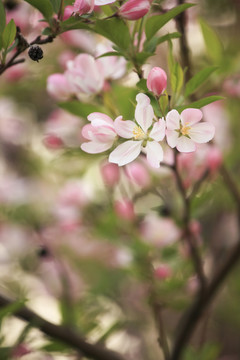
x: 172, y: 137
x: 103, y: 119
x: 94, y: 147
x: 202, y: 132
x: 191, y: 116
x: 144, y: 112
x: 154, y: 153
x: 103, y: 2
x: 184, y: 144
x: 173, y: 120
x: 126, y: 152
x: 158, y: 131
x: 124, y: 128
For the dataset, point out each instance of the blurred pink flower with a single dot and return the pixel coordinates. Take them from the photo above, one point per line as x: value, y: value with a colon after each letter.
x: 110, y: 174
x: 86, y: 6
x: 143, y: 140
x: 162, y: 272
x: 184, y: 130
x: 20, y: 350
x: 124, y: 209
x: 100, y: 132
x: 159, y: 231
x: 138, y: 174
x: 85, y: 75
x: 59, y: 87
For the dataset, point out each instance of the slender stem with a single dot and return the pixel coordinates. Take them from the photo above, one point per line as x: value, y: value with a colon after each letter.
x: 62, y: 333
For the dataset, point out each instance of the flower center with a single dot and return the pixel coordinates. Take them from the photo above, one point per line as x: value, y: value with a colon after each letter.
x: 184, y: 130
x: 138, y: 133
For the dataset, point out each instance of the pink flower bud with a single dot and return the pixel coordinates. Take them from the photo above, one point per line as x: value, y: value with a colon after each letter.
x: 134, y: 9
x: 83, y: 6
x: 110, y: 174
x: 58, y: 87
x: 68, y: 12
x: 157, y: 81
x: 162, y: 272
x: 20, y: 350
x: 53, y: 142
x: 138, y: 174
x: 214, y: 159
x: 124, y: 209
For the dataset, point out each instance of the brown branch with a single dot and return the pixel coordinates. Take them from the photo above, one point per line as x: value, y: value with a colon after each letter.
x: 62, y: 333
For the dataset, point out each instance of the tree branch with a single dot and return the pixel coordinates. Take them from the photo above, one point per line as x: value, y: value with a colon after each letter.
x: 63, y: 334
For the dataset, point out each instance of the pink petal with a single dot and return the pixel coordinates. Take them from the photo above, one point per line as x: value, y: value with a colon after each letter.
x: 184, y: 144
x: 191, y: 116
x: 124, y: 128
x: 172, y: 138
x: 154, y: 153
x: 173, y: 120
x: 202, y: 132
x: 94, y: 147
x: 126, y: 152
x: 144, y: 112
x: 102, y: 118
x: 158, y: 131
x: 100, y: 134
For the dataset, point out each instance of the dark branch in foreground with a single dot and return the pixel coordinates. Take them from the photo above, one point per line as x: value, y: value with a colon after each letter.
x: 62, y: 333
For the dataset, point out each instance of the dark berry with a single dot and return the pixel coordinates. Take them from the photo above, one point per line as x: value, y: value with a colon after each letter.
x: 35, y: 53
x: 43, y: 252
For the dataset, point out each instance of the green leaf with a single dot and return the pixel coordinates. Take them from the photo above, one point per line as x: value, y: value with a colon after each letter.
x: 213, y: 44
x: 198, y: 79
x: 56, y: 5
x: 2, y: 17
x: 110, y: 53
x: 44, y: 6
x: 9, y: 34
x: 176, y: 72
x: 156, y: 22
x: 142, y: 85
x: 151, y: 44
x: 142, y: 57
x: 80, y: 109
x: 11, y: 308
x: 73, y: 23
x: 200, y: 103
x: 56, y: 346
x: 47, y: 31
x: 115, y: 30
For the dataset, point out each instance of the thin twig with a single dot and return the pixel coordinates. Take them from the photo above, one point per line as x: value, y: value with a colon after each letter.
x: 62, y: 333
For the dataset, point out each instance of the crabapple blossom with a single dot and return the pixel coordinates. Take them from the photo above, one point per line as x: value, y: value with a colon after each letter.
x: 183, y: 131
x: 59, y: 87
x: 138, y: 174
x: 86, y: 6
x: 100, y: 132
x: 134, y: 9
x: 85, y: 74
x: 144, y: 135
x: 110, y: 174
x: 124, y: 209
x: 157, y: 81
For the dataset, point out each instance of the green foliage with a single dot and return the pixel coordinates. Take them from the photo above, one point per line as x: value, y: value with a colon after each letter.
x: 56, y: 5
x: 9, y: 34
x: 2, y: 17
x: 151, y: 44
x: 197, y: 80
x: 207, y: 352
x: 10, y: 309
x: 176, y: 72
x: 156, y: 22
x: 44, y: 6
x: 200, y: 103
x: 213, y: 44
x: 73, y: 23
x: 80, y: 109
x: 115, y: 30
x: 56, y: 347
x: 125, y: 100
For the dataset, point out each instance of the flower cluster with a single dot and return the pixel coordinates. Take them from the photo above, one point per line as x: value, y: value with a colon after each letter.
x: 182, y: 131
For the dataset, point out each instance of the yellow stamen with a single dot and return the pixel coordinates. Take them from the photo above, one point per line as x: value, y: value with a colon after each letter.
x: 138, y: 133
x: 185, y: 129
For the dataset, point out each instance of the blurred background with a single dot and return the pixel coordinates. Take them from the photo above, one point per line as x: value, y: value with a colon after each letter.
x: 81, y: 240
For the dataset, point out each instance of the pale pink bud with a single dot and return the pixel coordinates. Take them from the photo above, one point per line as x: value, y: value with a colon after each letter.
x: 134, y: 9
x: 138, y: 174
x: 214, y: 159
x: 68, y: 12
x: 162, y: 272
x: 20, y: 350
x: 53, y: 142
x: 124, y: 209
x: 110, y: 174
x: 83, y: 6
x: 157, y: 81
x: 58, y: 87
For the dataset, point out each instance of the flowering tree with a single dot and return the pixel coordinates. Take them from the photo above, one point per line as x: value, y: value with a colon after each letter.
x: 118, y: 212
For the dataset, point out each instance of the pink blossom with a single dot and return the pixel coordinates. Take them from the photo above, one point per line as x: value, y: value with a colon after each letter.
x: 110, y: 174
x: 20, y: 350
x: 114, y: 67
x: 58, y: 87
x: 83, y: 6
x: 68, y: 11
x: 52, y: 141
x: 141, y: 138
x: 214, y: 159
x: 134, y: 9
x: 124, y: 209
x: 184, y: 130
x: 138, y: 174
x: 162, y: 272
x: 100, y: 132
x: 157, y: 81
x: 85, y: 74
